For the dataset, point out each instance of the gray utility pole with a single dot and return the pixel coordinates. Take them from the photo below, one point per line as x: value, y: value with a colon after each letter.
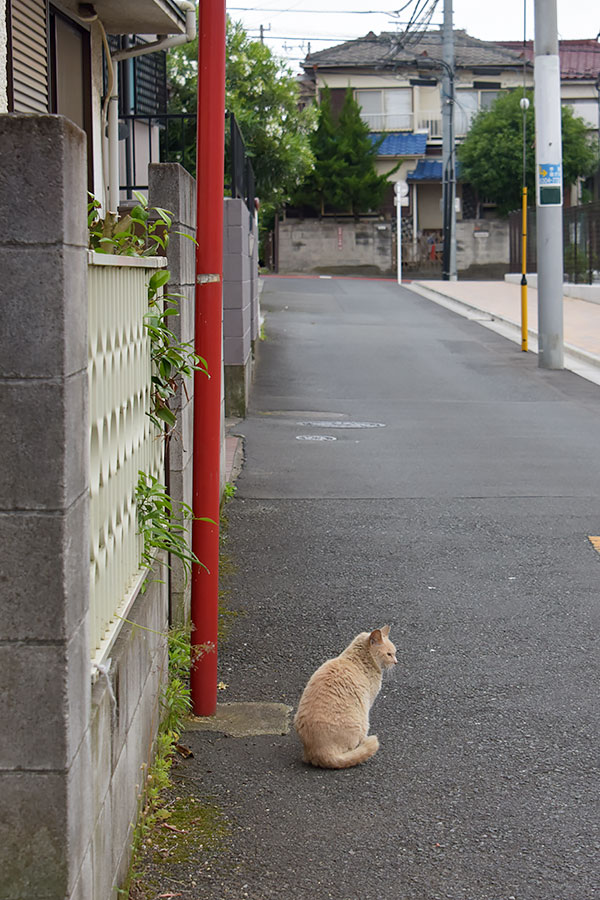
x: 448, y: 157
x: 548, y: 183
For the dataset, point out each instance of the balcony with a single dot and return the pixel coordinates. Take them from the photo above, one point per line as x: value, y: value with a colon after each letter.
x: 433, y: 127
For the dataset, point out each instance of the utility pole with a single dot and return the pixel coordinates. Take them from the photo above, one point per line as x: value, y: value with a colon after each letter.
x: 208, y: 343
x: 448, y: 164
x: 548, y: 182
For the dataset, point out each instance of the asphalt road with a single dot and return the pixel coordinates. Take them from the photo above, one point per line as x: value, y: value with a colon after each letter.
x: 461, y: 518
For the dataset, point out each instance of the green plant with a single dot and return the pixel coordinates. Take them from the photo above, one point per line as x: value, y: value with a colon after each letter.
x: 140, y: 233
x: 163, y: 523
x: 172, y: 359
x: 229, y: 491
x: 145, y: 232
x: 578, y: 263
x: 176, y: 701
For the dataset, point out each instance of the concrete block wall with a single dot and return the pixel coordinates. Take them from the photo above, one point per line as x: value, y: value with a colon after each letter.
x: 172, y: 188
x: 482, y: 245
x: 72, y: 762
x: 240, y: 303
x: 336, y: 244
x: 122, y: 735
x: 45, y: 700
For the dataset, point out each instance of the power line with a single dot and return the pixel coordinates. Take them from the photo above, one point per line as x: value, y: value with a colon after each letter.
x: 328, y: 12
x: 297, y: 37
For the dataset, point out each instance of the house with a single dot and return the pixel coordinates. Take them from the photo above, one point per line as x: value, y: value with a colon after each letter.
x: 68, y: 57
x: 397, y: 80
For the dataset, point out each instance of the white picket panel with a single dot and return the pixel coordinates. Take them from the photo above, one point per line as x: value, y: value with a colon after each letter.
x: 123, y: 440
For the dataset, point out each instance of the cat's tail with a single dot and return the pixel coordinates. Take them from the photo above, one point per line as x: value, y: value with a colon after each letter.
x: 345, y: 760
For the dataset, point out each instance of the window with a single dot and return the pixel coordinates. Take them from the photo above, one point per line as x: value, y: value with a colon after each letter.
x: 588, y: 110
x: 386, y: 110
x: 469, y: 103
x: 70, y: 75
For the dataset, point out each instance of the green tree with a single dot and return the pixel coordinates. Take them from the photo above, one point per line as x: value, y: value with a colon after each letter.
x: 491, y: 156
x: 263, y: 95
x: 316, y: 191
x: 344, y: 176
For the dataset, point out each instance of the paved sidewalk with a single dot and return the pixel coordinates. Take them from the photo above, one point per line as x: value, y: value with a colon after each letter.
x: 503, y: 301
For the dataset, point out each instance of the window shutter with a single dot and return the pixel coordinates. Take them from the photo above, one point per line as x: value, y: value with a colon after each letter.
x: 29, y: 56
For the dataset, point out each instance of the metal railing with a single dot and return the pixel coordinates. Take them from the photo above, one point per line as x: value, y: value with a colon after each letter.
x: 433, y: 127
x: 581, y: 242
x: 123, y: 440
x: 238, y: 165
x: 172, y: 138
x: 160, y: 138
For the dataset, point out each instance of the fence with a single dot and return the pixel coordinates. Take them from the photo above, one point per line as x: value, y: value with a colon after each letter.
x: 241, y: 173
x: 581, y: 242
x: 123, y: 441
x: 160, y: 138
x: 172, y: 138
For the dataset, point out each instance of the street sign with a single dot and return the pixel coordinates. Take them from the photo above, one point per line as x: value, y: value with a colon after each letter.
x: 550, y: 184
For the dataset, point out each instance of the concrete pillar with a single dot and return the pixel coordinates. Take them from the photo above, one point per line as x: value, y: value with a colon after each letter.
x: 172, y: 188
x: 238, y: 258
x: 45, y: 783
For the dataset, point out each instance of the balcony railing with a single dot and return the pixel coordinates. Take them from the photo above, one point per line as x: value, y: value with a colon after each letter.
x: 388, y: 121
x: 433, y: 126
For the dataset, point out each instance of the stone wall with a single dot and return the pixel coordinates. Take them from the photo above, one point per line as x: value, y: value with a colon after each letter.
x: 328, y: 246
x: 331, y: 246
x: 482, y: 248
x: 72, y: 758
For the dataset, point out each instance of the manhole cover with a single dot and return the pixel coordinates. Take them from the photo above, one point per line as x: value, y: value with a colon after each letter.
x: 315, y: 437
x: 342, y: 424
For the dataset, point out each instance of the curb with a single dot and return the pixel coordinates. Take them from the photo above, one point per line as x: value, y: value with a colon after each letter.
x: 432, y: 294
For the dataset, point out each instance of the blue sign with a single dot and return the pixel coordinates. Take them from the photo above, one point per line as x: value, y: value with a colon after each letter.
x: 550, y: 174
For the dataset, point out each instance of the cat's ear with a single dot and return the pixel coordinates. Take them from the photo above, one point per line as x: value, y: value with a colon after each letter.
x: 375, y: 637
x: 385, y: 630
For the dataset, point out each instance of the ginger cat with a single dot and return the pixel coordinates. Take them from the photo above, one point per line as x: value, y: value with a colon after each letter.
x: 332, y: 720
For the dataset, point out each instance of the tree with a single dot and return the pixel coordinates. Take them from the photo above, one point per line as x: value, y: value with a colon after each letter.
x: 344, y: 176
x: 316, y: 190
x: 491, y: 156
x: 263, y: 95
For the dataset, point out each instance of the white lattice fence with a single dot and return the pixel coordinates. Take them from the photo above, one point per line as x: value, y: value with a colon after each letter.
x: 123, y: 441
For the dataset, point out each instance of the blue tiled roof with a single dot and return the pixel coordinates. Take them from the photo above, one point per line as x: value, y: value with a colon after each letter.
x: 429, y: 170
x: 401, y: 144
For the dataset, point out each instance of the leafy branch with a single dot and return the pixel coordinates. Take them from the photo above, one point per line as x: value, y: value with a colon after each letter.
x: 163, y: 523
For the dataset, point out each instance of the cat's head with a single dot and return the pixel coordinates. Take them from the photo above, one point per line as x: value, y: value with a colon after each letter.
x: 382, y: 649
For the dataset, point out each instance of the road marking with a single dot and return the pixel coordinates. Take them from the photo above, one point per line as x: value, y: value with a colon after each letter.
x: 315, y: 437
x: 342, y: 424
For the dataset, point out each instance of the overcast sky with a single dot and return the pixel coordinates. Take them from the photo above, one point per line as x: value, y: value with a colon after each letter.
x: 290, y: 24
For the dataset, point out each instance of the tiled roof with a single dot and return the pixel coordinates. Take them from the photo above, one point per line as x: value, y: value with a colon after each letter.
x: 401, y: 144
x: 427, y: 170
x: 390, y: 50
x: 579, y: 59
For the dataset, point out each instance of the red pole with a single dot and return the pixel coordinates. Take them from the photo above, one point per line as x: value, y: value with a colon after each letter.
x: 209, y: 344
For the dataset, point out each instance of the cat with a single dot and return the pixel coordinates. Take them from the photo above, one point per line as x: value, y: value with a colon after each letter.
x: 332, y: 720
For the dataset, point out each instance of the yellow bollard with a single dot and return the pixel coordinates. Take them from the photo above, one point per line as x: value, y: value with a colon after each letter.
x: 524, y: 274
